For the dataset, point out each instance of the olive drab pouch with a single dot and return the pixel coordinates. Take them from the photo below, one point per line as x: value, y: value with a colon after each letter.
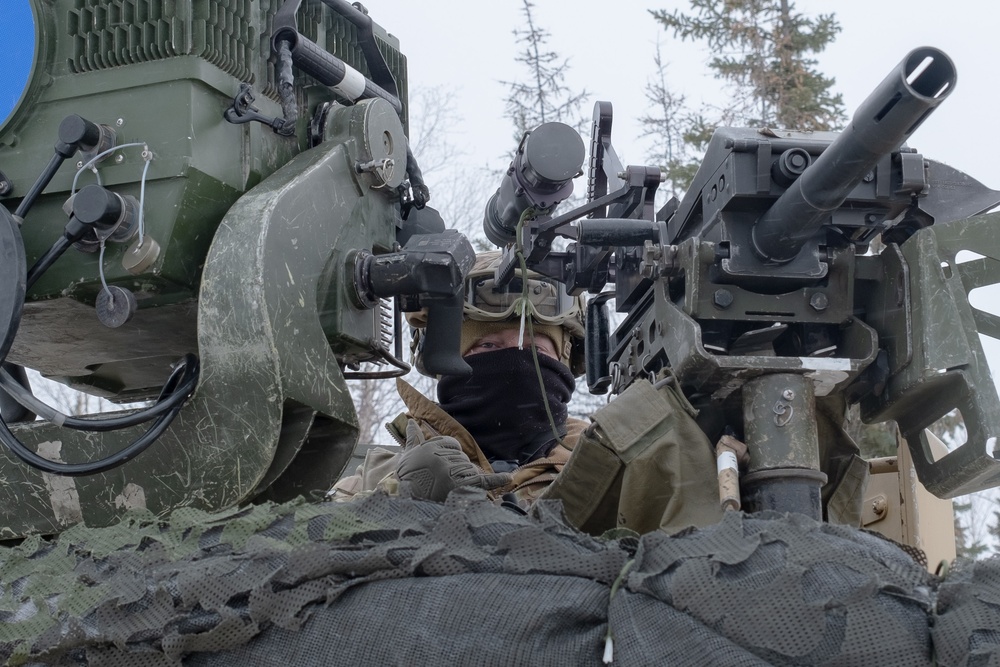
x: 846, y: 472
x: 643, y: 464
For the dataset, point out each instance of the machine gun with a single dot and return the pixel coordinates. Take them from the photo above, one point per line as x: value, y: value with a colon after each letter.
x: 764, y: 287
x: 231, y: 193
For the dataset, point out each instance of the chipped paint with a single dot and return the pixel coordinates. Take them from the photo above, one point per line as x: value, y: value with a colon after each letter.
x: 132, y: 497
x: 824, y: 382
x: 268, y: 362
x: 826, y: 364
x: 63, y: 495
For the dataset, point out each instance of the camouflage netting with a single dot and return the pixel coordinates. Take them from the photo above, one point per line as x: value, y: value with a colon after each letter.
x: 395, y: 581
x: 967, y: 628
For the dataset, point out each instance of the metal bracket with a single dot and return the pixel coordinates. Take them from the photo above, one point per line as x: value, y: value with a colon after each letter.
x: 946, y: 367
x: 243, y: 111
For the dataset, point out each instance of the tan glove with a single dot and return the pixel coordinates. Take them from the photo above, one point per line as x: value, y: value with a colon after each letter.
x: 431, y: 469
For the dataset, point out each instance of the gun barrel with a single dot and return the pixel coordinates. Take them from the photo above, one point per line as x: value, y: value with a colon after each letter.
x: 883, y: 122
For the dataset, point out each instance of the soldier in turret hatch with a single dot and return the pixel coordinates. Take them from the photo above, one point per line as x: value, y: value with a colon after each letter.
x: 643, y: 463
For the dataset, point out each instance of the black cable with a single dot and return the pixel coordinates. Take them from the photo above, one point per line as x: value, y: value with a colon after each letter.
x: 36, y: 189
x: 11, y: 409
x: 133, y: 449
x: 74, y: 231
x: 61, y: 245
x: 421, y: 194
x: 166, y: 401
x: 286, y: 89
x: 75, y: 132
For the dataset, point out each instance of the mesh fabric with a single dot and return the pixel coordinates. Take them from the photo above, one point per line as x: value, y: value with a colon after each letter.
x: 399, y: 581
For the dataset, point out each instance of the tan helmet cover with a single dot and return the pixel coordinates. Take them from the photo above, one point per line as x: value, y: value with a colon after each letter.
x: 553, y: 313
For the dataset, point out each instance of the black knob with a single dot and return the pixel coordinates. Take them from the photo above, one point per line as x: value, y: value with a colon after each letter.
x: 76, y: 132
x: 95, y: 205
x: 790, y: 166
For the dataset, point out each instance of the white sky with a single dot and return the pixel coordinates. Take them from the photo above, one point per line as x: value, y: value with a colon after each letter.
x: 469, y: 48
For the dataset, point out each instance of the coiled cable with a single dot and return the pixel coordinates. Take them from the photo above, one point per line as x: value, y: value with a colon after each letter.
x: 184, y: 378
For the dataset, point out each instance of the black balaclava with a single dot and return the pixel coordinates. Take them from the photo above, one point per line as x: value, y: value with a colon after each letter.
x: 501, y: 405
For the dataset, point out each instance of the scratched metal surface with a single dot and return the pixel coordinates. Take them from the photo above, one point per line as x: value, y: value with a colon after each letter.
x: 268, y: 365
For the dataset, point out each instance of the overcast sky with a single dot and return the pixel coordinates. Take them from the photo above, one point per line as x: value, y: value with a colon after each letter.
x: 469, y: 47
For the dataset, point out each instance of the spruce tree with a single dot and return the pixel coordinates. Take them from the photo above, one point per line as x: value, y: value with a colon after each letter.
x: 543, y: 95
x: 763, y: 50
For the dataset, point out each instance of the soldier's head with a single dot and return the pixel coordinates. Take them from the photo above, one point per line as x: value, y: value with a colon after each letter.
x: 515, y: 404
x: 492, y: 315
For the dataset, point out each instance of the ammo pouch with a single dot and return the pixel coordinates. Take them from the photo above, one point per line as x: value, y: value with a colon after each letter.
x: 643, y: 464
x: 846, y: 472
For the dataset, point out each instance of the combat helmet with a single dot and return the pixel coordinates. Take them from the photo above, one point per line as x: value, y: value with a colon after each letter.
x: 488, y: 308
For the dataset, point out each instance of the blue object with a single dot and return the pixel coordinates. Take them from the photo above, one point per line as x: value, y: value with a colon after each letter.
x: 17, y: 34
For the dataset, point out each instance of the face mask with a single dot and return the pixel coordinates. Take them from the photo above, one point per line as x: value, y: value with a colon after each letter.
x: 501, y: 405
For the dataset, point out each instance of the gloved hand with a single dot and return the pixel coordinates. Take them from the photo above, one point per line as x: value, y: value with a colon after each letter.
x: 431, y: 469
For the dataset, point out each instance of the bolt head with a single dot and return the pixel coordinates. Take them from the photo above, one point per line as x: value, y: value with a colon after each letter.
x: 722, y: 298
x: 119, y: 158
x: 819, y: 301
